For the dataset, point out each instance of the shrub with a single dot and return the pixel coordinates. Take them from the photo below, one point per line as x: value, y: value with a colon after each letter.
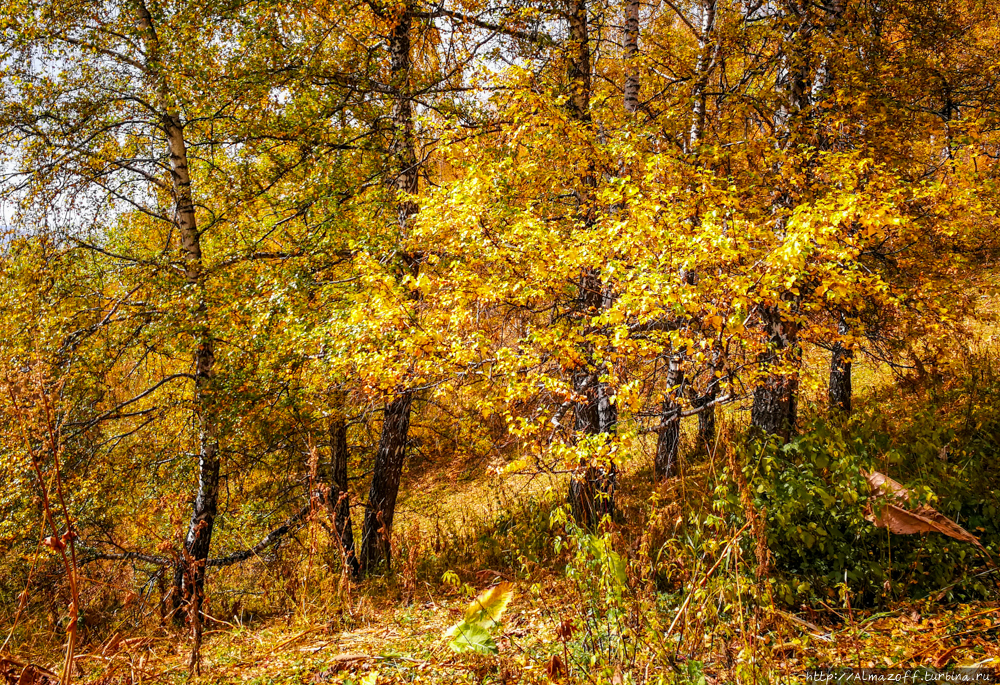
x: 812, y: 494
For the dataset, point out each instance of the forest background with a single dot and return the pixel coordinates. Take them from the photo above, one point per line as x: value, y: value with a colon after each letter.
x: 662, y: 331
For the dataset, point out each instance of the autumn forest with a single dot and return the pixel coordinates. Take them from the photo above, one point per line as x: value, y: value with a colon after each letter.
x: 498, y: 341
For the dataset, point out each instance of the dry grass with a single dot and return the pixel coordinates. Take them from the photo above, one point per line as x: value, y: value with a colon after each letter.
x: 404, y: 644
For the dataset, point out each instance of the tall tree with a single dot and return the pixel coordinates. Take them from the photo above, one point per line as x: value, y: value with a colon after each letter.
x: 596, y: 414
x: 198, y: 540
x: 388, y: 468
x: 775, y: 399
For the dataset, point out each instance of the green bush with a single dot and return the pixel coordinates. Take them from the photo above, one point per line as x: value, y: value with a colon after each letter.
x: 812, y: 494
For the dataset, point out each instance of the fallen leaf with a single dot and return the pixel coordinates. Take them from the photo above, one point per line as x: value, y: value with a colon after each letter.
x: 881, y: 484
x: 944, y: 657
x: 555, y: 669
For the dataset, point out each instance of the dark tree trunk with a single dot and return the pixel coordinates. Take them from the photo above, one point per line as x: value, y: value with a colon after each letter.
x: 596, y: 414
x: 592, y: 497
x: 775, y: 400
x: 705, y: 403
x: 840, y: 375
x: 376, y: 533
x: 706, y: 417
x: 667, y: 442
x: 339, y: 504
x: 774, y: 406
x: 665, y: 462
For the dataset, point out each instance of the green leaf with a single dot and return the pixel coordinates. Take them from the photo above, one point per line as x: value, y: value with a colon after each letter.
x: 471, y: 638
x: 472, y: 633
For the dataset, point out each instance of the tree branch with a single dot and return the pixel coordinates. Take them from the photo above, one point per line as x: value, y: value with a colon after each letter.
x: 540, y: 38
x: 291, y: 523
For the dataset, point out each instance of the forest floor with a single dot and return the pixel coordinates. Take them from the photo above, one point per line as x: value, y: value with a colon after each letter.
x: 405, y: 644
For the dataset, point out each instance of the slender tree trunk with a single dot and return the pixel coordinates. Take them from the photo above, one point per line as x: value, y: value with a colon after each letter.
x: 840, y: 373
x: 376, y: 535
x: 774, y: 410
x: 197, y: 542
x: 339, y: 503
x: 707, y: 53
x: 592, y: 496
x: 668, y: 441
x: 376, y: 549
x: 632, y: 83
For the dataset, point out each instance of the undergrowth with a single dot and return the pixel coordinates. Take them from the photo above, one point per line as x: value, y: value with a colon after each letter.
x: 758, y: 561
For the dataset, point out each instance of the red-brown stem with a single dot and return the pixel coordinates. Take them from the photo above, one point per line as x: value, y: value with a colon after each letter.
x: 69, y: 562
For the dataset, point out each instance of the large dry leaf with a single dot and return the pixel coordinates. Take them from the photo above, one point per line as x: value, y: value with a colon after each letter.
x: 14, y: 671
x: 896, y: 519
x: 881, y: 484
x: 486, y: 609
